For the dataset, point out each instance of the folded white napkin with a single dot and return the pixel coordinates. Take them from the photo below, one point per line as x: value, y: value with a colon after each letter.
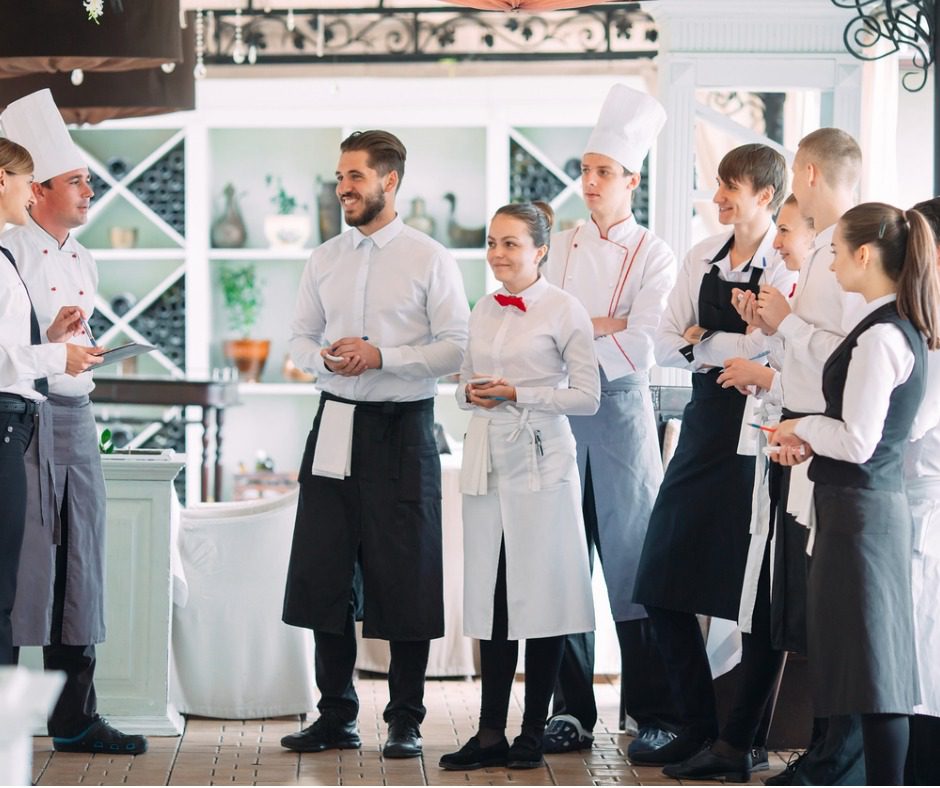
x: 800, y: 501
x: 333, y: 455
x: 476, y: 458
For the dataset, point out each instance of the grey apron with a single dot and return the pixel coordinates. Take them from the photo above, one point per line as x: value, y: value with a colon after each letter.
x: 63, y: 469
x: 861, y: 645
x: 621, y: 443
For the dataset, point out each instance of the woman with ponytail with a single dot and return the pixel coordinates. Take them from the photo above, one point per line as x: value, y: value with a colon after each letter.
x: 529, y: 364
x: 859, y: 606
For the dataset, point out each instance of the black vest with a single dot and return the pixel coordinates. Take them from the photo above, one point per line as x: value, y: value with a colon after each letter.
x: 883, y: 471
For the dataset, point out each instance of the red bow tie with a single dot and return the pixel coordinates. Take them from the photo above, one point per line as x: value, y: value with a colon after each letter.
x: 510, y: 300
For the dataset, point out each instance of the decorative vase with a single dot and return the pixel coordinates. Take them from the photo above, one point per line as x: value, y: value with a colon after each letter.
x: 228, y: 231
x: 329, y: 211
x: 249, y: 356
x: 419, y: 219
x: 287, y: 231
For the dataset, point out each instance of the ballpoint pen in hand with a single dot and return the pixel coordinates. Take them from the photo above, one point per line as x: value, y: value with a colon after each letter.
x: 87, y: 329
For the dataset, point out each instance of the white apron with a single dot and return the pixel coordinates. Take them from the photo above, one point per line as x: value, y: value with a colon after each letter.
x: 924, y: 497
x: 532, y: 501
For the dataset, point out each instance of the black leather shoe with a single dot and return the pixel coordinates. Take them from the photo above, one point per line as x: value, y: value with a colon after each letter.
x: 759, y: 760
x: 648, y: 739
x: 786, y: 776
x: 679, y: 749
x: 327, y: 733
x: 708, y: 765
x: 404, y: 738
x: 101, y: 737
x: 525, y: 752
x: 473, y: 756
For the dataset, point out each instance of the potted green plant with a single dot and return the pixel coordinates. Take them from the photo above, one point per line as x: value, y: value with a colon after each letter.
x: 285, y: 229
x: 242, y: 296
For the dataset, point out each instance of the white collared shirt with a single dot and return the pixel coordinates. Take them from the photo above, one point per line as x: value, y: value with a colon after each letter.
x: 399, y: 288
x: 21, y: 362
x: 682, y: 305
x: 56, y: 277
x: 922, y: 458
x: 628, y: 274
x: 881, y: 361
x: 823, y: 313
x: 546, y: 352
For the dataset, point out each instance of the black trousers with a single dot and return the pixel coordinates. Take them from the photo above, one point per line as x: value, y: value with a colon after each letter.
x: 923, y: 755
x: 16, y: 431
x: 759, y: 671
x: 645, y: 691
x: 690, y: 677
x: 335, y: 663
x: 498, y: 658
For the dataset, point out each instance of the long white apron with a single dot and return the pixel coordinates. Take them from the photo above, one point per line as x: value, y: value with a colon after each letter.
x: 924, y: 497
x: 533, y: 503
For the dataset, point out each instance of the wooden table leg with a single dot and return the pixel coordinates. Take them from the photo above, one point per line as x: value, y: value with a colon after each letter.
x: 204, y: 494
x: 219, y: 419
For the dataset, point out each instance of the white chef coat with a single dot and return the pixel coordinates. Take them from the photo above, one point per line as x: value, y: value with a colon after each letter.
x: 627, y: 274
x: 823, y: 313
x: 682, y: 305
x: 532, y: 496
x: 399, y: 288
x: 56, y: 277
x: 21, y: 362
x: 881, y: 361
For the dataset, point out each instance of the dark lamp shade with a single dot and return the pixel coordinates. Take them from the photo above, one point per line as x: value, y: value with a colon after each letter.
x: 56, y: 35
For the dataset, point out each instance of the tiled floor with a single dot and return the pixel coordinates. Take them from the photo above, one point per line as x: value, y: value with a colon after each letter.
x: 233, y: 752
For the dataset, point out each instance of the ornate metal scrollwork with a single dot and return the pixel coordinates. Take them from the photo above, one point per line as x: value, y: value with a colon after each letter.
x: 435, y: 33
x: 882, y: 27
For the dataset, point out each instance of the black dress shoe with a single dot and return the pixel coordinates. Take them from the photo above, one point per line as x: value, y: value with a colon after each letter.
x: 708, y: 765
x: 648, y: 739
x: 679, y: 749
x: 525, y: 752
x: 404, y: 737
x: 786, y: 776
x: 473, y: 756
x: 101, y: 737
x: 759, y: 760
x: 327, y: 733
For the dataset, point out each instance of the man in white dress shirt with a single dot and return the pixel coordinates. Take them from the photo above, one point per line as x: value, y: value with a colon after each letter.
x: 380, y: 316
x: 826, y: 171
x: 623, y: 274
x: 60, y: 597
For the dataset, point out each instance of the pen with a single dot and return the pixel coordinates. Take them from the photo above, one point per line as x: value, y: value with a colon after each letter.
x: 87, y: 330
x: 759, y: 355
x: 538, y: 443
x: 771, y: 430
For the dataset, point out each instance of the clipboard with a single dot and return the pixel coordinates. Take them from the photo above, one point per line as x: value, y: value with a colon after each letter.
x: 122, y: 352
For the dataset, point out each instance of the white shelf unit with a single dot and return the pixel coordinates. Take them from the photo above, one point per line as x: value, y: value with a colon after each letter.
x: 456, y: 130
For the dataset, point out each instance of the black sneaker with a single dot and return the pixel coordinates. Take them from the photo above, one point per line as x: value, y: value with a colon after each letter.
x: 649, y: 739
x: 760, y: 762
x: 684, y: 746
x: 525, y: 752
x: 786, y: 776
x: 101, y: 737
x: 473, y: 756
x: 404, y: 737
x: 327, y: 733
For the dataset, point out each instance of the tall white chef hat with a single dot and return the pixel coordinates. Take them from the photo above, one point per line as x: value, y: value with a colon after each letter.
x: 627, y: 126
x: 35, y: 123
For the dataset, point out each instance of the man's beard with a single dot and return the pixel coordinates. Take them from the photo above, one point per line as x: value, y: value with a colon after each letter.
x: 372, y: 206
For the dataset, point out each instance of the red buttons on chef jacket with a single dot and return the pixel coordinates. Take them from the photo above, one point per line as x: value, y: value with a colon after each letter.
x: 81, y: 292
x: 53, y: 289
x: 45, y: 251
x: 74, y: 256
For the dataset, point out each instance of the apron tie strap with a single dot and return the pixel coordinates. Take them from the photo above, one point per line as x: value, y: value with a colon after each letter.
x: 535, y: 478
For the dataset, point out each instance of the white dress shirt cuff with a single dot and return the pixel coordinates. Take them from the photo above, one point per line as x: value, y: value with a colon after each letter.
x: 392, y: 358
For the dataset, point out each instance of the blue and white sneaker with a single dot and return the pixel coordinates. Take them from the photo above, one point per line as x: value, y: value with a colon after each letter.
x: 565, y: 734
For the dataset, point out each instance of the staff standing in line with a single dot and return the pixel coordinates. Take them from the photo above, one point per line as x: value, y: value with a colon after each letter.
x: 826, y: 171
x: 694, y: 556
x: 859, y: 612
x: 380, y: 316
x: 25, y: 366
x: 60, y: 605
x: 529, y: 363
x: 622, y: 274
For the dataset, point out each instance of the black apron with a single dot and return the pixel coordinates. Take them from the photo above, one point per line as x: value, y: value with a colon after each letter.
x: 696, y: 547
x: 374, y: 537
